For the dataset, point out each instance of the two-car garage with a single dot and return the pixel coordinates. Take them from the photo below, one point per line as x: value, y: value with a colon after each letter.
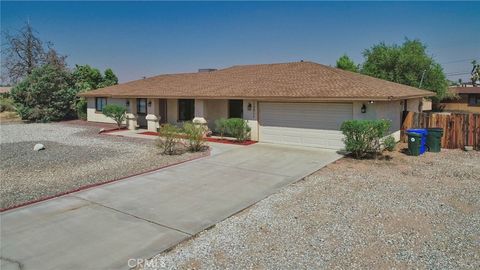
x: 308, y: 124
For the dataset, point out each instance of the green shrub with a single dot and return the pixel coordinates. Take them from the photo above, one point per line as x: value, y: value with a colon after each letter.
x: 238, y: 128
x: 362, y: 137
x: 194, y: 133
x: 168, y: 139
x: 6, y: 104
x: 81, y: 109
x: 389, y: 143
x: 47, y: 94
x: 116, y: 112
x: 221, y: 126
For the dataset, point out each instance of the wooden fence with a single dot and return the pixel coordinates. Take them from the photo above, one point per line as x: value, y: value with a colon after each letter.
x: 459, y: 129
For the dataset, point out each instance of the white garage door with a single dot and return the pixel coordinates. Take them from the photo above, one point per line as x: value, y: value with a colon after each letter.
x: 309, y: 124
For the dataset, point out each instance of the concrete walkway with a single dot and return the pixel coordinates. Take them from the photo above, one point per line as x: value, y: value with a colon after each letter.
x: 104, y: 227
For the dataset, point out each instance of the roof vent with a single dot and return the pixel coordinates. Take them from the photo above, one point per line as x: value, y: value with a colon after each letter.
x: 201, y: 70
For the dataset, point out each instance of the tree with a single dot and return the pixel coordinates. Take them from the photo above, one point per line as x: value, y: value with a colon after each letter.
x: 24, y: 52
x: 55, y: 59
x: 345, y: 63
x: 475, y: 73
x: 109, y: 78
x: 116, y: 112
x: 86, y: 78
x: 406, y: 64
x: 47, y: 94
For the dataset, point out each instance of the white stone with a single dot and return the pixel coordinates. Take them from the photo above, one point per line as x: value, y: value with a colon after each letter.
x: 38, y: 147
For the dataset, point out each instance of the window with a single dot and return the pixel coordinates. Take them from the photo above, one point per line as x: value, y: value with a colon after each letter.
x: 186, y: 109
x: 474, y: 100
x: 235, y: 108
x: 100, y: 102
x: 141, y: 106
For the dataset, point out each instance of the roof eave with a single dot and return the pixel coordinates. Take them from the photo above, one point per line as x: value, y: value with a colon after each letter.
x: 264, y: 98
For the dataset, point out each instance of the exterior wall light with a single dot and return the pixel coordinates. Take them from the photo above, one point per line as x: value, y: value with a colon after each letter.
x: 127, y: 103
x: 371, y: 102
x: 249, y: 106
x: 150, y: 103
x: 364, y: 108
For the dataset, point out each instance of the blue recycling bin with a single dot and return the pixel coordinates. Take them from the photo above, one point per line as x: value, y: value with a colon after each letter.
x: 423, y: 142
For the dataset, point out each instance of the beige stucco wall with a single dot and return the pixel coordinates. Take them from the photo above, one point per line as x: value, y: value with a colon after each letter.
x: 413, y: 105
x: 215, y: 109
x: 391, y: 110
x: 251, y: 117
x: 426, y: 105
x: 94, y: 116
x: 172, y: 113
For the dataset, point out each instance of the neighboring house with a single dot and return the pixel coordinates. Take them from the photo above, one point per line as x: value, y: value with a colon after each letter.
x: 468, y: 100
x: 302, y: 103
x: 5, y: 90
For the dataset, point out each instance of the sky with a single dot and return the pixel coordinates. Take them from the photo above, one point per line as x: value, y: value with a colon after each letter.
x: 139, y: 39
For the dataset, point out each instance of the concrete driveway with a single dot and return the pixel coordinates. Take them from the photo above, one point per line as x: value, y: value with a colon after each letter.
x: 104, y: 227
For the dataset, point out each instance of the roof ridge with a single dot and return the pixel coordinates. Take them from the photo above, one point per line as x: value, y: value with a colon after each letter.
x: 371, y: 77
x: 269, y: 64
x: 305, y: 79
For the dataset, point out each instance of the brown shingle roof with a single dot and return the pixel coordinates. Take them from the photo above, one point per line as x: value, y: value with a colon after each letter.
x: 465, y: 90
x: 298, y: 80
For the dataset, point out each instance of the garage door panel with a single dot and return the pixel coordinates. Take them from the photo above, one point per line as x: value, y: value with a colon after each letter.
x: 309, y: 124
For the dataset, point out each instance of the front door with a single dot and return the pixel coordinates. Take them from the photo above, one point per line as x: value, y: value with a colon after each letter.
x: 235, y: 108
x: 141, y: 112
x: 162, y: 110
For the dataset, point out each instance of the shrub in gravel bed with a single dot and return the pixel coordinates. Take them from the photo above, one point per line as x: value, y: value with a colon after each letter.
x: 389, y: 143
x: 362, y: 137
x: 194, y: 134
x: 116, y: 112
x: 168, y: 139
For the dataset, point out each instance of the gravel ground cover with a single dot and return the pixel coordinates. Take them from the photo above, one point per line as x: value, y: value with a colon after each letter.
x: 75, y: 156
x: 401, y: 212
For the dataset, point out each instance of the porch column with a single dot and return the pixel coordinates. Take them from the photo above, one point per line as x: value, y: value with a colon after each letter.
x: 199, y: 112
x: 132, y: 114
x: 152, y: 117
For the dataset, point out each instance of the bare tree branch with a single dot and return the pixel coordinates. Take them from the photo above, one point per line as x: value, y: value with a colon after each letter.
x: 24, y: 51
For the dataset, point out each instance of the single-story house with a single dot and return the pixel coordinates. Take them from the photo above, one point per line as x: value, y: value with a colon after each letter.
x: 301, y: 103
x: 467, y: 100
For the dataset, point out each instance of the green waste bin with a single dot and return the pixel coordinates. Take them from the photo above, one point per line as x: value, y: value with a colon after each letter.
x: 414, y: 143
x: 434, y: 139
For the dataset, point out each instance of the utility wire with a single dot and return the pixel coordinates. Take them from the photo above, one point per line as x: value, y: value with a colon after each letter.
x: 457, y: 72
x: 457, y: 61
